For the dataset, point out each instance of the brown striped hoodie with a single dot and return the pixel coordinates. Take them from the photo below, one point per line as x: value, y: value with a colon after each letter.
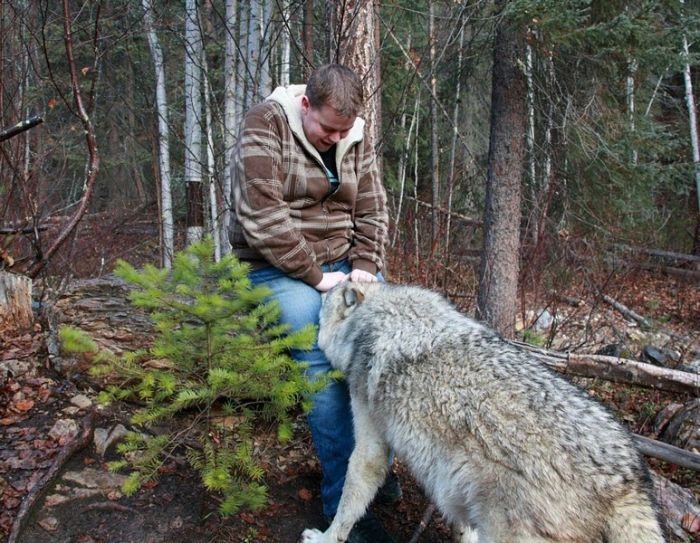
x: 286, y: 214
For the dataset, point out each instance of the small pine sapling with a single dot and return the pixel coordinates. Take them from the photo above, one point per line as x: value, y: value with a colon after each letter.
x: 219, y: 353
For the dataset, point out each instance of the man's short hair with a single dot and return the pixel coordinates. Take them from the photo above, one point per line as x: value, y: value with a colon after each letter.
x: 337, y: 86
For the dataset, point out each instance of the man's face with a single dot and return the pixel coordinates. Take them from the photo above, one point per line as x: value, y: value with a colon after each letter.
x: 323, y: 126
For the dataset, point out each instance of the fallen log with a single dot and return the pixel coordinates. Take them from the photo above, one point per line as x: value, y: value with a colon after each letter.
x: 621, y: 370
x: 667, y: 452
x: 668, y: 256
x: 626, y: 311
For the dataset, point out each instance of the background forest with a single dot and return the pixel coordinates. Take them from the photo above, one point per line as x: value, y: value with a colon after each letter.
x: 608, y: 158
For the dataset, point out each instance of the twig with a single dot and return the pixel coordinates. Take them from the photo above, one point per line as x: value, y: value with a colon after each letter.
x: 427, y: 515
x: 669, y: 453
x: 110, y: 506
x: 78, y: 443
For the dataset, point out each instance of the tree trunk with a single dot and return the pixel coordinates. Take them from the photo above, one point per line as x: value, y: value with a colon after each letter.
x: 193, y: 126
x: 357, y: 47
x: 530, y: 143
x: 498, y: 276
x: 211, y: 166
x: 434, y: 144
x: 453, y: 147
x: 309, y: 38
x: 15, y: 301
x: 166, y: 205
x: 263, y: 68
x: 230, y: 124
x: 285, y: 61
x: 632, y: 67
x: 695, y: 146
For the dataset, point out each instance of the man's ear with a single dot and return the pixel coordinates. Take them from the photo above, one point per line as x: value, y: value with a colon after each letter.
x: 353, y: 294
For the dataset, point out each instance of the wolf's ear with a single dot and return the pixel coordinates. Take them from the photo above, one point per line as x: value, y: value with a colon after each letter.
x: 353, y: 295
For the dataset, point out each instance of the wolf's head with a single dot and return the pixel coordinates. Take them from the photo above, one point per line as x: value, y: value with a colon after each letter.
x: 339, y: 306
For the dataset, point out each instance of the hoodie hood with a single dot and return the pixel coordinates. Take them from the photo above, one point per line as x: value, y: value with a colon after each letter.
x: 290, y: 100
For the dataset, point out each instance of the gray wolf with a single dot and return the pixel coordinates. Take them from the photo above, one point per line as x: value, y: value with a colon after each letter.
x: 502, y: 445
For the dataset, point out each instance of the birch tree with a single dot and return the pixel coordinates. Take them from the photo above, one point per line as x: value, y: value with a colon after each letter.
x: 230, y: 120
x: 692, y: 120
x: 211, y: 167
x: 286, y: 41
x: 166, y: 206
x: 193, y: 126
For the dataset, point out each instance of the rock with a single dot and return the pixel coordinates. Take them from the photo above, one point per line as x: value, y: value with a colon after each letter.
x: 64, y: 428
x: 81, y: 401
x: 659, y: 357
x: 99, y: 307
x: 544, y: 321
x: 50, y: 524
x: 95, y: 478
x: 70, y: 410
x: 16, y: 368
x: 636, y: 336
x: 55, y: 499
x: 683, y: 430
x: 104, y: 439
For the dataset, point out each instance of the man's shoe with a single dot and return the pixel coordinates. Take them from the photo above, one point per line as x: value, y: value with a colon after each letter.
x: 369, y: 530
x: 390, y: 492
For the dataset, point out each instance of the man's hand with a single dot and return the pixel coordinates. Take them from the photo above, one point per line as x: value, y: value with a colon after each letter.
x: 361, y: 276
x: 330, y: 280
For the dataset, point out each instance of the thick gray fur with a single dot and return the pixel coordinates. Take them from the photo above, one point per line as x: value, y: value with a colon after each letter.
x: 503, y: 446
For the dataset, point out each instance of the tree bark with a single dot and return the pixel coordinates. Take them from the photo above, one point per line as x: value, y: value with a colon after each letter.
x: 15, y: 301
x: 309, y: 38
x: 695, y: 146
x: 286, y: 52
x: 498, y: 276
x: 193, y: 125
x: 230, y: 120
x: 357, y: 48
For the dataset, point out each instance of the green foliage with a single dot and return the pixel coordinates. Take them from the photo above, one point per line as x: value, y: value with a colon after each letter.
x: 533, y: 338
x: 221, y: 351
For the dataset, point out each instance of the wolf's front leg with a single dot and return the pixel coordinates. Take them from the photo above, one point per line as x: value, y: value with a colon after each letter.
x: 367, y: 469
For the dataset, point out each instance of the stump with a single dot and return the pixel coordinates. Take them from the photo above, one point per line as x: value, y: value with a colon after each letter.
x: 15, y: 301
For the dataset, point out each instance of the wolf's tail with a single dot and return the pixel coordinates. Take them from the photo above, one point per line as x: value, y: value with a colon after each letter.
x: 634, y: 520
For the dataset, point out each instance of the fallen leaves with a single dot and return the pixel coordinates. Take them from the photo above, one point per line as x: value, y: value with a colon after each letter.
x: 305, y: 495
x: 23, y: 405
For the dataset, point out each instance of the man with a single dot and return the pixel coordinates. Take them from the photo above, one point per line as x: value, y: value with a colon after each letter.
x: 310, y: 212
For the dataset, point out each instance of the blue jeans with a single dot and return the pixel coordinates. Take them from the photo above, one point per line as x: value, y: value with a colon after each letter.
x: 330, y: 419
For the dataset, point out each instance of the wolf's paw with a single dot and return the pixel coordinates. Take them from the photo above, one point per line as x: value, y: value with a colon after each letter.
x: 312, y: 536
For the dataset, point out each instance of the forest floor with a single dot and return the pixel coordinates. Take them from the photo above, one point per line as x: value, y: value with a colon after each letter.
x: 83, y: 503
